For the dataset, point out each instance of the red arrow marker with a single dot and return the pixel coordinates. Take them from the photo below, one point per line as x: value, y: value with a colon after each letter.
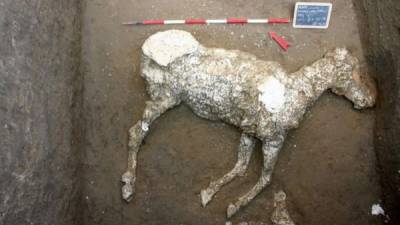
x: 281, y: 42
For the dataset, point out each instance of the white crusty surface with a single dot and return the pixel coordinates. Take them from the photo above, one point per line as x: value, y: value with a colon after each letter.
x: 272, y: 94
x: 166, y: 46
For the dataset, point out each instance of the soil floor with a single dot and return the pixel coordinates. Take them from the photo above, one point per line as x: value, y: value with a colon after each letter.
x: 326, y: 168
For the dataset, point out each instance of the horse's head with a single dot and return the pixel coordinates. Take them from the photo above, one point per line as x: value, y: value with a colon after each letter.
x: 349, y: 82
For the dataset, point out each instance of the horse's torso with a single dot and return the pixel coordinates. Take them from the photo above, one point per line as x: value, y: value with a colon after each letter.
x: 236, y: 88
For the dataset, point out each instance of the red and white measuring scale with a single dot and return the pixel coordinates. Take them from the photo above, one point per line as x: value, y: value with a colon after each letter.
x: 282, y: 42
x: 210, y: 21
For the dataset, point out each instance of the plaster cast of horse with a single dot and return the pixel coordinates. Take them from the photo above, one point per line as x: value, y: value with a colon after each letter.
x: 259, y: 97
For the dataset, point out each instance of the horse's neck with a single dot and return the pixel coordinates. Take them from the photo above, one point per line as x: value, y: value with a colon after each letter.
x: 314, y: 79
x: 306, y: 86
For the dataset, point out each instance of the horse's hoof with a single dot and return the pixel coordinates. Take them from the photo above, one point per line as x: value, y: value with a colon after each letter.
x: 205, y: 197
x: 128, y: 189
x: 127, y: 192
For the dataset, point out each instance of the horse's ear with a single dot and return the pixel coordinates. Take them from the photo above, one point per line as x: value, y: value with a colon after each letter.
x: 164, y: 47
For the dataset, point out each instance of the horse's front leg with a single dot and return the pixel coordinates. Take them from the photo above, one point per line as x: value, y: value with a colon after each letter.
x: 245, y: 151
x: 153, y: 110
x: 270, y: 148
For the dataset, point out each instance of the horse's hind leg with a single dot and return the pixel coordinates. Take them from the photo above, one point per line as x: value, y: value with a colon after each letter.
x: 245, y: 150
x: 270, y: 150
x: 153, y: 110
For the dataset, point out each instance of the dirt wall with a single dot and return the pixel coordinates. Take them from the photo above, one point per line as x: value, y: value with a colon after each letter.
x: 39, y: 97
x: 382, y: 42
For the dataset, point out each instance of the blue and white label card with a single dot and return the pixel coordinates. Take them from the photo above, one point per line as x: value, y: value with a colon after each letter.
x: 312, y: 15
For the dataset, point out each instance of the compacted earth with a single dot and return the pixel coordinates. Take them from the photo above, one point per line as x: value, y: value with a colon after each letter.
x: 327, y: 165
